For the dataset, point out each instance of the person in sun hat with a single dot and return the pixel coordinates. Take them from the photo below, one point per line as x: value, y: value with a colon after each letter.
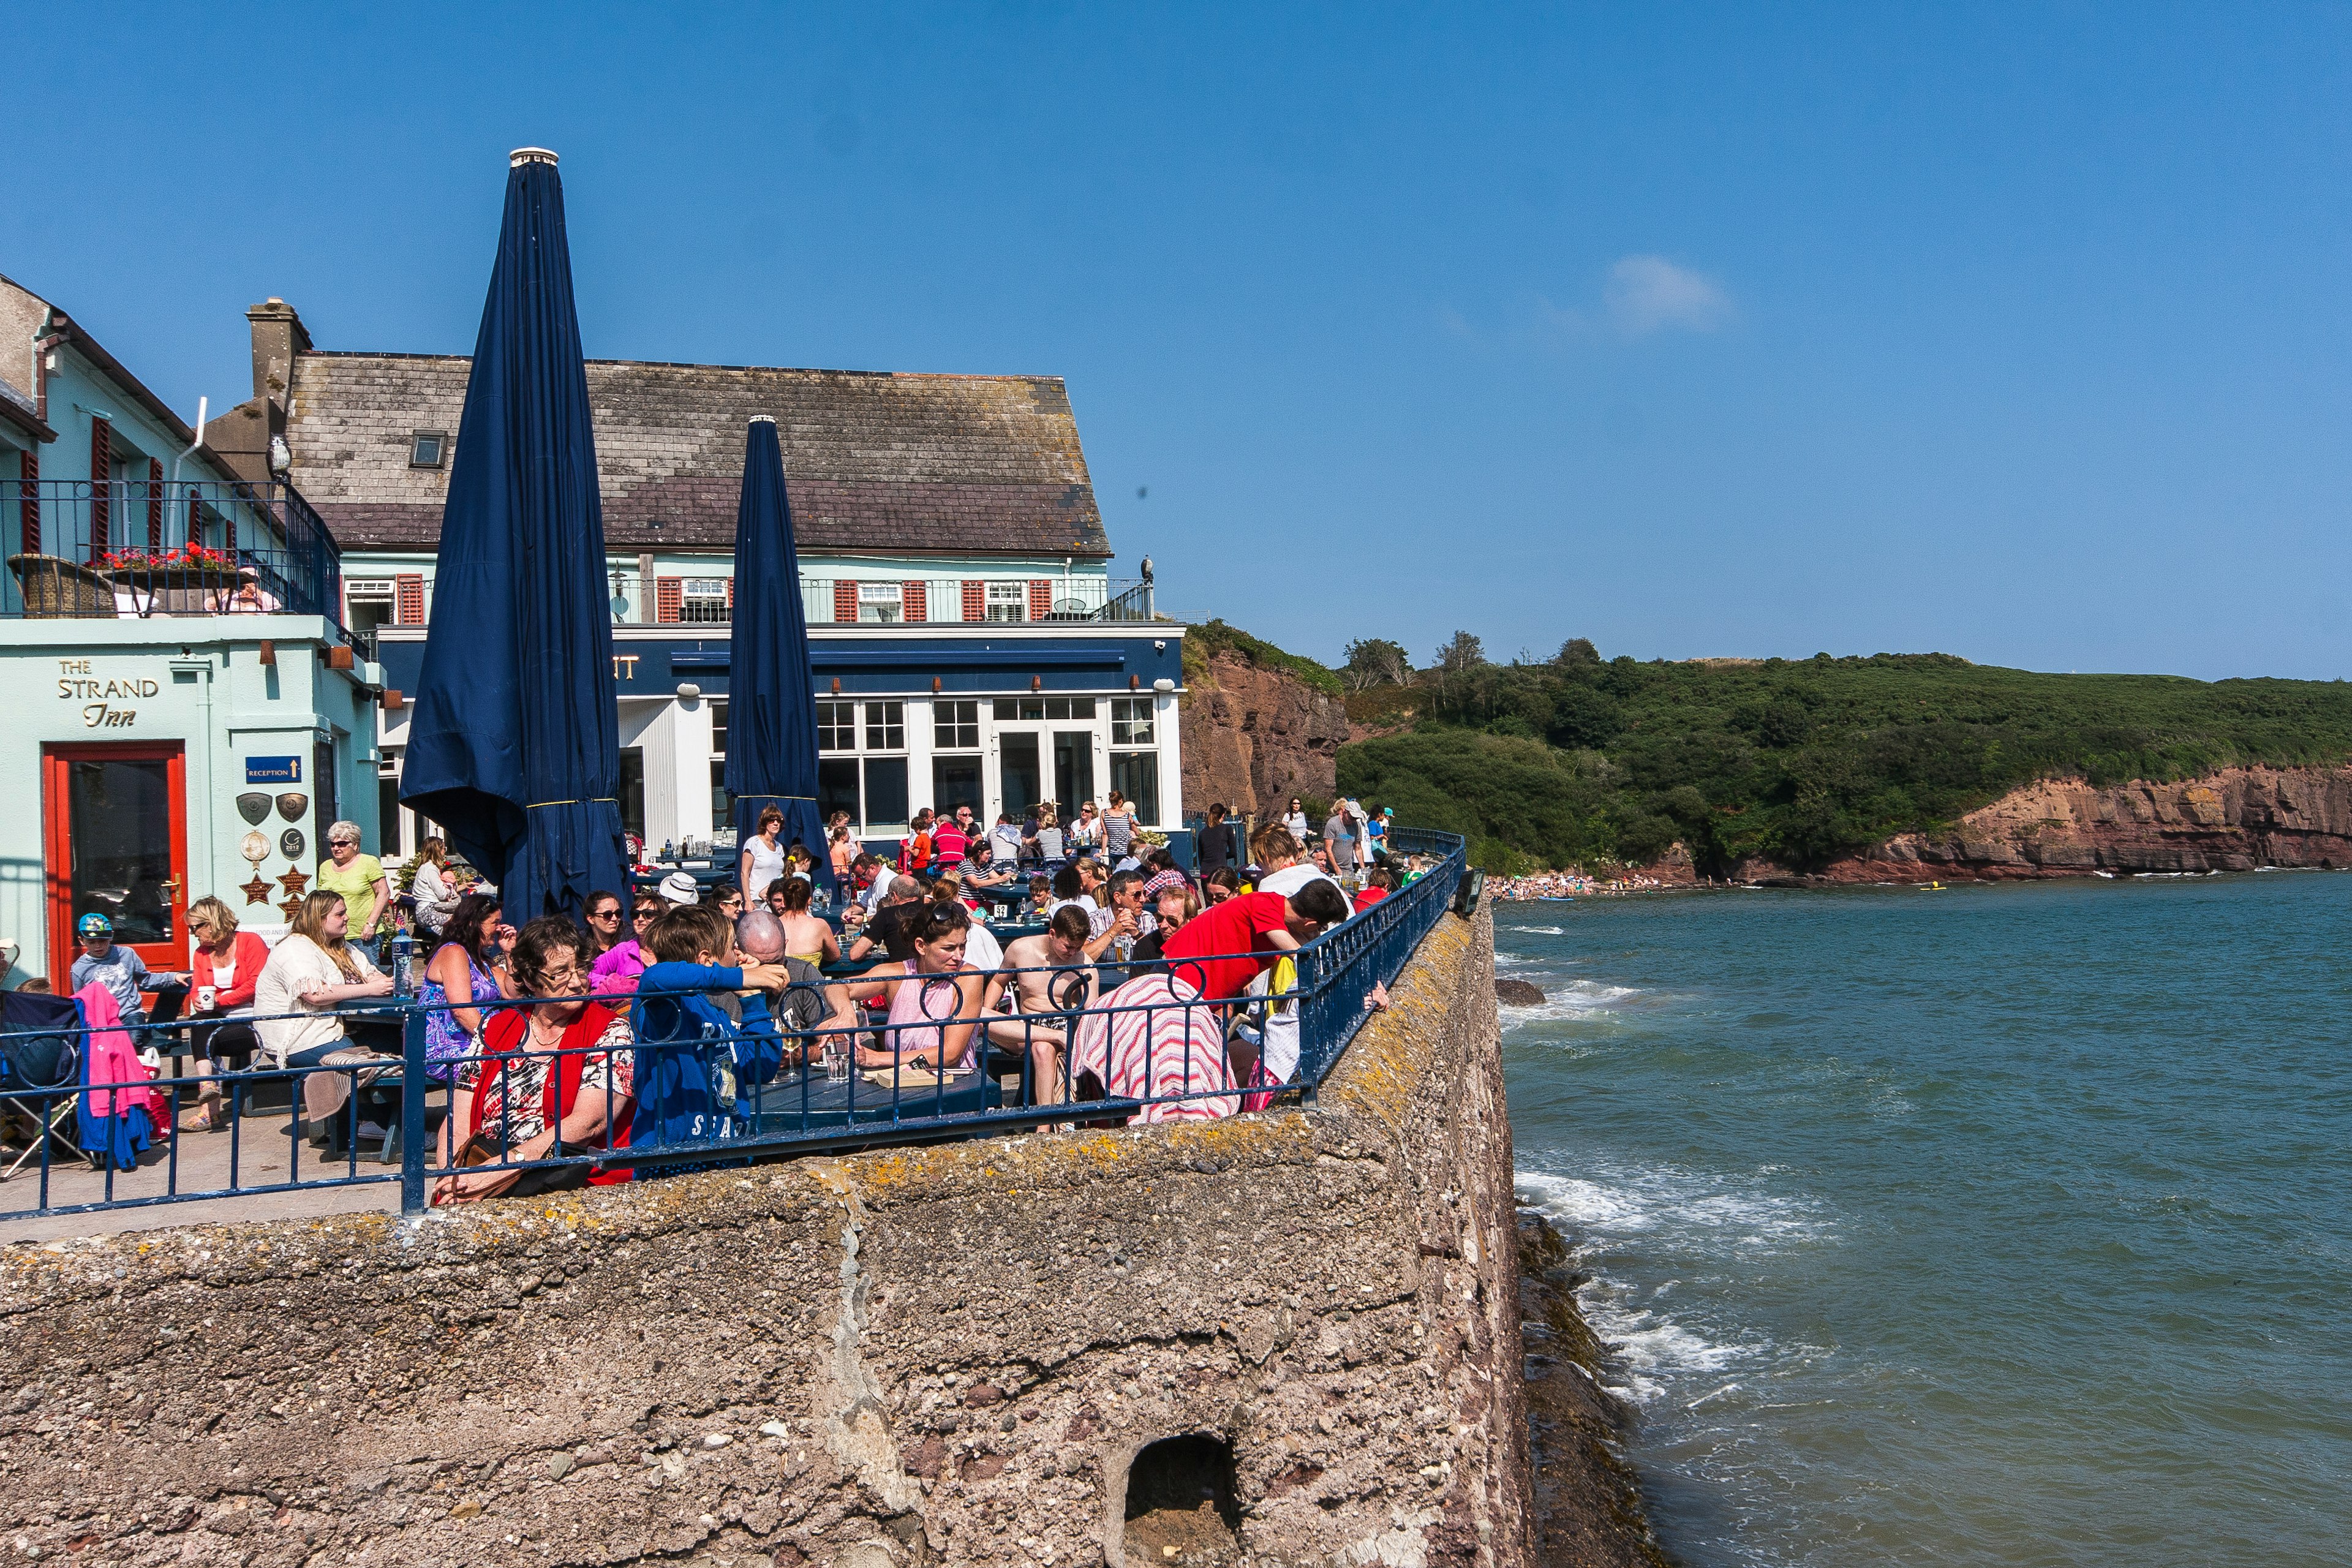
x: 678, y: 888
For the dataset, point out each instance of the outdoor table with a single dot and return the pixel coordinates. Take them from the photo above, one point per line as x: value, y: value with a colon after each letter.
x: 803, y: 1098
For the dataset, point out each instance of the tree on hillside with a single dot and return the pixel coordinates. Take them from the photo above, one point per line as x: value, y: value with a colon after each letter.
x: 1376, y: 661
x: 1464, y: 653
x: 1576, y: 651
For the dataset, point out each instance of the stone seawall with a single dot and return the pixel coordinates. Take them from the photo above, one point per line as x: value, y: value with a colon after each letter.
x: 1291, y: 1336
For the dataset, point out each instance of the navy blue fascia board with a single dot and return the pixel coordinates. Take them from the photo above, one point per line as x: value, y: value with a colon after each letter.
x: 656, y: 667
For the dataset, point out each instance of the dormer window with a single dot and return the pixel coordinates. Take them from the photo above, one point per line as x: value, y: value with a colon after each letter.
x: 428, y: 448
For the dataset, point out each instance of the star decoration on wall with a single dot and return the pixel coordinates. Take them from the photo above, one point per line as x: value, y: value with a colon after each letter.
x: 294, y: 882
x: 256, y: 891
x: 290, y: 907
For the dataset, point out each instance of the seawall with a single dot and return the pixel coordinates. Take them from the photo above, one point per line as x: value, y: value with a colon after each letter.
x: 1284, y: 1337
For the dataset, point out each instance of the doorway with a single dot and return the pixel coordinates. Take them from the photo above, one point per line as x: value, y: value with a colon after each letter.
x: 1019, y: 779
x: 114, y: 823
x: 1074, y: 771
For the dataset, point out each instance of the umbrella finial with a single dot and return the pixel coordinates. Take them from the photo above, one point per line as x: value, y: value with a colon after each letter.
x: 522, y: 155
x: 764, y: 419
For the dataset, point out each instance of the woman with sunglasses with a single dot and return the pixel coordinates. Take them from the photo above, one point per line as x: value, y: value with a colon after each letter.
x: 935, y: 996
x: 603, y: 915
x: 617, y: 967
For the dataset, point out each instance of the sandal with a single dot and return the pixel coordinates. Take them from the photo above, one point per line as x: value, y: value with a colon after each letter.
x: 205, y: 1118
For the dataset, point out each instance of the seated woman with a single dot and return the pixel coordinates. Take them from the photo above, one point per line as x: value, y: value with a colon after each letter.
x: 431, y: 887
x: 226, y: 972
x: 545, y: 1082
x: 807, y: 937
x: 313, y: 968
x: 469, y: 967
x: 935, y: 998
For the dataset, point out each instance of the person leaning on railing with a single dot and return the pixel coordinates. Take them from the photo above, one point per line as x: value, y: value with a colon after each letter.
x: 542, y: 1082
x: 1161, y: 1036
x: 705, y: 1035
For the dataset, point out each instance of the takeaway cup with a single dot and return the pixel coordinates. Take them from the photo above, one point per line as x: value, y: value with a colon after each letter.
x: 205, y: 994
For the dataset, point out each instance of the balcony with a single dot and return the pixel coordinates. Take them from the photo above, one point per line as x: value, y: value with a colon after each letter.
x: 139, y: 549
x: 404, y: 598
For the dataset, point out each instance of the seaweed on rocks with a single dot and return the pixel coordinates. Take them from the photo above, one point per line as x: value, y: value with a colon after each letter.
x: 1589, y: 1507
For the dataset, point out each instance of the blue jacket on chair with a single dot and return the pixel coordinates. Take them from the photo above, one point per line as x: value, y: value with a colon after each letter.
x: 695, y: 1063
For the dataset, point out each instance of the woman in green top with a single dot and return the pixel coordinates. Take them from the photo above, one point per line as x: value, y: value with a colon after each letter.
x: 359, y: 879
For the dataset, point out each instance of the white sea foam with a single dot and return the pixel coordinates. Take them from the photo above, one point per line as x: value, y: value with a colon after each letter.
x: 1570, y: 999
x: 1538, y: 930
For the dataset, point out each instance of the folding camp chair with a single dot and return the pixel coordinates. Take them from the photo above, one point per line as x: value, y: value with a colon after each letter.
x: 40, y: 1071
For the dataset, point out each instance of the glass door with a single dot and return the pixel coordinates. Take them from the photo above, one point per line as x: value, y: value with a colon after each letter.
x: 1019, y: 778
x: 1074, y: 771
x: 115, y: 821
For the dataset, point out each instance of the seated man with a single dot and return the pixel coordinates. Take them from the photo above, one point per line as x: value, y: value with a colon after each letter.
x: 701, y: 1042
x: 886, y: 929
x: 1051, y: 974
x: 808, y: 1002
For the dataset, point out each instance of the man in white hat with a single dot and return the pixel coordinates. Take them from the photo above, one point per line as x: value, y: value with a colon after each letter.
x: 678, y: 888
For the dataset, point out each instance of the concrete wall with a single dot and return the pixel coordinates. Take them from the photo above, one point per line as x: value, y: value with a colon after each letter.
x: 944, y: 1354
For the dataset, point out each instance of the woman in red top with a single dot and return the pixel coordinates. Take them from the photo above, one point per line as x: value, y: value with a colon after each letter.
x: 1161, y: 1036
x: 228, y: 964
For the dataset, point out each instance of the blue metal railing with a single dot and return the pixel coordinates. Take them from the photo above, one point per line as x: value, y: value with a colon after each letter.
x: 837, y: 1081
x: 123, y: 547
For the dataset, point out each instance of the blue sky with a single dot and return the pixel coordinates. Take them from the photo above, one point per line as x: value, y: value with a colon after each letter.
x: 2019, y: 334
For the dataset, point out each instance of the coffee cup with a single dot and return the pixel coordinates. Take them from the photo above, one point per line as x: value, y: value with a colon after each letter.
x: 205, y: 994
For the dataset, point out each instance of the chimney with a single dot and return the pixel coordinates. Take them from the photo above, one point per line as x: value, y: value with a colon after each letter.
x: 278, y: 337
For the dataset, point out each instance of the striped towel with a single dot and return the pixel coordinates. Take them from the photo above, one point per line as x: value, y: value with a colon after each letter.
x: 1151, y: 1045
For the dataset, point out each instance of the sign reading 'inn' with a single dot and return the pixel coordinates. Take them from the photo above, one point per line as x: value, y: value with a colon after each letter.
x: 77, y: 682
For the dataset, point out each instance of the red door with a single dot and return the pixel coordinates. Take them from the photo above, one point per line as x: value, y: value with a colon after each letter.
x: 115, y: 819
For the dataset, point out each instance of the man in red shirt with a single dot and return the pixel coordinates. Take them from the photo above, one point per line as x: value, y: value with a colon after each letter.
x: 1161, y: 1036
x: 952, y: 839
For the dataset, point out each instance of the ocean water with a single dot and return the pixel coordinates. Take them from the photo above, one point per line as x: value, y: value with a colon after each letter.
x: 2003, y: 1225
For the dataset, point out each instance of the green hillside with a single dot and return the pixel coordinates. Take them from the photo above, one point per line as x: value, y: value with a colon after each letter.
x: 1582, y: 761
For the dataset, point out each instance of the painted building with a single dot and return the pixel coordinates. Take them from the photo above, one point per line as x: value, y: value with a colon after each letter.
x: 969, y: 644
x: 187, y: 720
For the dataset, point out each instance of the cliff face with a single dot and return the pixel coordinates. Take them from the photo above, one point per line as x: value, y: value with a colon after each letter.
x: 1254, y: 737
x: 2233, y: 820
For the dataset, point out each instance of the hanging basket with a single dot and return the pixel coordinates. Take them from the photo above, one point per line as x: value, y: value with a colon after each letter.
x: 55, y: 588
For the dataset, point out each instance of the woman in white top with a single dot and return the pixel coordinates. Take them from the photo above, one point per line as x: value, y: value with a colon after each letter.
x: 1049, y: 837
x: 762, y: 861
x: 312, y: 968
x: 1294, y: 819
x: 430, y: 888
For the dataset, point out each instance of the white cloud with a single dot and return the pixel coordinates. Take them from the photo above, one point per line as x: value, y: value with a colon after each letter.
x: 1646, y: 293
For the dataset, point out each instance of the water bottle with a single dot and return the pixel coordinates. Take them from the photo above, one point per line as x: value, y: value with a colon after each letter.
x: 403, y: 963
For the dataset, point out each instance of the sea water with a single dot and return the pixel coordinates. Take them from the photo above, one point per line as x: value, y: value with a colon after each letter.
x: 2001, y: 1225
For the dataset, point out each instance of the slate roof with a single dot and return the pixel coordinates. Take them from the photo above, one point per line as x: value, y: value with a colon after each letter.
x: 965, y: 465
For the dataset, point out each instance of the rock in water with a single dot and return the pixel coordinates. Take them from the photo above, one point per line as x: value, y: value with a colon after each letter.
x: 1518, y: 994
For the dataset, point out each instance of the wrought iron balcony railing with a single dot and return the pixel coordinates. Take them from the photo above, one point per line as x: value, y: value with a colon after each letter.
x: 139, y: 548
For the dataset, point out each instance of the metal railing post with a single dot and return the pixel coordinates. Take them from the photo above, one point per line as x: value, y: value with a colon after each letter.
x: 412, y: 1112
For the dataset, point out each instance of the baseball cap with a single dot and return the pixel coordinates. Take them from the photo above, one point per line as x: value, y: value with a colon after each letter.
x: 678, y: 888
x: 94, y: 924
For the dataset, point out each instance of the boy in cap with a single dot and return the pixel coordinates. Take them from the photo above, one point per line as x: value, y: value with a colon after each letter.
x: 119, y: 969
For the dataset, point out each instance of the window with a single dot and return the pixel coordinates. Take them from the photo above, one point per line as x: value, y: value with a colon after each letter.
x: 1008, y: 601
x: 1130, y: 722
x: 955, y: 725
x: 878, y: 601
x: 1012, y: 710
x: 837, y: 726
x: 427, y: 448
x: 722, y: 804
x: 632, y: 790
x: 1136, y: 774
x: 885, y: 727
x: 703, y: 599
x: 955, y: 781
x: 369, y: 602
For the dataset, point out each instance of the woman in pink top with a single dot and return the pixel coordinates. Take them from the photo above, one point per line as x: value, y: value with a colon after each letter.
x: 935, y: 997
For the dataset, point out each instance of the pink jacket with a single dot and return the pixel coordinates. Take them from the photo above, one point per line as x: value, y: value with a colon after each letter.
x: 615, y: 973
x: 107, y: 1056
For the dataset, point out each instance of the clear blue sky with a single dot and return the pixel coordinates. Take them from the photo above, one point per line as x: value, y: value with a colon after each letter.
x: 2019, y: 334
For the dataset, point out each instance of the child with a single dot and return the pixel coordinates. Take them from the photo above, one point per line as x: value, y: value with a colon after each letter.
x: 702, y: 1040
x: 119, y: 969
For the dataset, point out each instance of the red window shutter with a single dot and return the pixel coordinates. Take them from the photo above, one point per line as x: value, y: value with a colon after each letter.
x: 28, y: 501
x: 913, y: 600
x: 1041, y: 598
x: 975, y: 600
x: 408, y: 599
x: 101, y: 493
x: 154, y: 505
x: 845, y: 601
x: 196, y: 516
x: 668, y: 592
x: 731, y: 598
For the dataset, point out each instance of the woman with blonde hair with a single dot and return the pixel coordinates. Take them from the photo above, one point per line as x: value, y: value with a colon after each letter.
x: 225, y: 975
x: 431, y: 887
x: 314, y: 967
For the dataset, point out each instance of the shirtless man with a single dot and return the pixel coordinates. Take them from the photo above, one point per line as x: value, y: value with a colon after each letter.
x: 1044, y: 965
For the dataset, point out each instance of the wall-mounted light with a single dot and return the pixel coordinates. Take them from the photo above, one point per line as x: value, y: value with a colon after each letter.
x: 836, y: 686
x: 935, y: 685
x: 1036, y: 683
x: 270, y: 656
x: 687, y: 691
x: 1135, y: 683
x: 1164, y: 684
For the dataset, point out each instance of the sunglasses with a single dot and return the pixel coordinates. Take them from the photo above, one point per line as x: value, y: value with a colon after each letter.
x: 612, y: 914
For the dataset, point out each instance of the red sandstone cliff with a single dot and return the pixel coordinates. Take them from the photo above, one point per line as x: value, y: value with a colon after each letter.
x: 2233, y: 820
x: 1254, y: 737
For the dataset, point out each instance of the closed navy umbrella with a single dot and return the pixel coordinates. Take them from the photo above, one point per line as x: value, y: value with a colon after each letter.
x: 514, y: 748
x: 771, y: 705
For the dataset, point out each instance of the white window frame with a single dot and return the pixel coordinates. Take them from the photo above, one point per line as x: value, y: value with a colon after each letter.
x: 1013, y: 597
x: 1130, y: 733
x: 881, y: 604
x: 705, y: 593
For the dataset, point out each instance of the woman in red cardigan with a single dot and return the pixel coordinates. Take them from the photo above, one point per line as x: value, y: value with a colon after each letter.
x: 227, y: 966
